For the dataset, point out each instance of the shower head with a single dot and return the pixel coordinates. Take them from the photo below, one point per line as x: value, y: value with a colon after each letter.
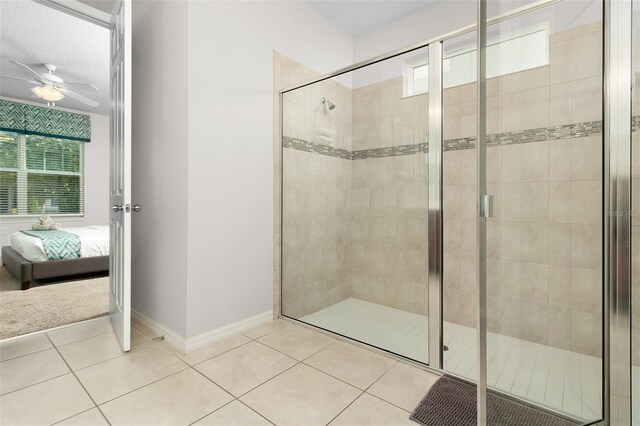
x: 328, y: 103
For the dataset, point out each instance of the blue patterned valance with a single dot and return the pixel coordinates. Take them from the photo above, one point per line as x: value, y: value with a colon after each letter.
x: 36, y: 120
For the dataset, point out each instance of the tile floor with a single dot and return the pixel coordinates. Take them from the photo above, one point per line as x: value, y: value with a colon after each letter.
x: 560, y: 379
x: 278, y: 373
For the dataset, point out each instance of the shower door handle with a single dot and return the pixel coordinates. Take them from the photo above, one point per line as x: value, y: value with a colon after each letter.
x: 486, y: 206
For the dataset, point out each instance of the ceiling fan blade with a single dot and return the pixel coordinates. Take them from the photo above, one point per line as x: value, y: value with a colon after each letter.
x: 20, y: 64
x: 78, y: 97
x: 21, y: 79
x: 82, y: 84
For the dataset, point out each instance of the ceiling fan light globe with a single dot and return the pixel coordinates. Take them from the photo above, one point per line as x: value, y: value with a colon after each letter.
x: 47, y: 93
x: 53, y: 96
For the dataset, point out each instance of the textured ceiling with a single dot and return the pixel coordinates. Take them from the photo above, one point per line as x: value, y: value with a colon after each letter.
x: 35, y: 34
x: 358, y: 17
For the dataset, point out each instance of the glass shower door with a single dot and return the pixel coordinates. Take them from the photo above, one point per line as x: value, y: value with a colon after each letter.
x: 354, y: 213
x: 543, y: 164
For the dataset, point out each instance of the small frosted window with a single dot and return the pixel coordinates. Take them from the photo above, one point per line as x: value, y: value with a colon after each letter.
x: 518, y: 53
x: 421, y: 78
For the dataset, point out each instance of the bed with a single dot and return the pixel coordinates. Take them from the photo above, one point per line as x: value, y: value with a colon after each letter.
x: 26, y: 258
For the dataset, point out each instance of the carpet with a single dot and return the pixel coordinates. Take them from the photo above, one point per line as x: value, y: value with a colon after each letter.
x: 452, y: 402
x: 49, y: 304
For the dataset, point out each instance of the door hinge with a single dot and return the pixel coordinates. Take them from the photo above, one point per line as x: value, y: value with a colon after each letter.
x: 486, y: 206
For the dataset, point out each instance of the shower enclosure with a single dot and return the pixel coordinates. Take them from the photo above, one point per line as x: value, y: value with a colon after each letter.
x: 486, y: 258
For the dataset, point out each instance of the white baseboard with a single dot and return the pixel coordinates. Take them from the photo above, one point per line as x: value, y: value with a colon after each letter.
x: 171, y: 337
x: 228, y: 330
x: 204, y: 339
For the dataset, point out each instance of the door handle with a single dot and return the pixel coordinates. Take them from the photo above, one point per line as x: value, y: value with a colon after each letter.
x: 117, y: 208
x: 136, y: 208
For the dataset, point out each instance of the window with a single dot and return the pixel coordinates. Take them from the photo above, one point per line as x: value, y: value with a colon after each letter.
x: 40, y: 175
x: 520, y: 52
x: 416, y: 77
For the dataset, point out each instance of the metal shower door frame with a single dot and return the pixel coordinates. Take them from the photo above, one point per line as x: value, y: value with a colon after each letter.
x: 434, y: 207
x: 618, y: 16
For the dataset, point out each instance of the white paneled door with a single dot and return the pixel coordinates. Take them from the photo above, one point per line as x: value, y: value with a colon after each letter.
x: 120, y: 176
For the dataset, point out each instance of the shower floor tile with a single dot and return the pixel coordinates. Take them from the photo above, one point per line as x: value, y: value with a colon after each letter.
x: 563, y: 380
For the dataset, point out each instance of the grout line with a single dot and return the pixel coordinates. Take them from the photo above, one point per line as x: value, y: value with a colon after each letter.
x: 363, y: 392
x: 351, y: 384
x: 34, y: 384
x: 260, y: 384
x: 187, y: 366
x: 391, y: 403
x: 211, y: 380
x: 53, y: 329
x: 81, y: 412
x: 75, y: 341
x: 345, y: 408
x: 22, y: 356
x: 268, y: 333
x: 132, y: 350
x: 241, y: 402
x: 214, y: 356
x: 223, y: 352
x: 233, y: 396
x: 299, y: 360
x: 250, y: 390
x: 266, y: 381
x: 143, y: 386
x: 111, y: 359
x: 78, y: 380
x: 211, y: 412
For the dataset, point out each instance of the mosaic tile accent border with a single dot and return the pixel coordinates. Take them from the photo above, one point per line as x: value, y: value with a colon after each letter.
x: 459, y: 144
x: 390, y: 151
x: 302, y: 145
x: 567, y: 131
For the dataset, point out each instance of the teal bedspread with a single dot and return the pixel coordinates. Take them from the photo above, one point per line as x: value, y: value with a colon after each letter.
x: 58, y: 244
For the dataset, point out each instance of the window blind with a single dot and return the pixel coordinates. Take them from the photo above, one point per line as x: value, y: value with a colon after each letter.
x: 40, y: 174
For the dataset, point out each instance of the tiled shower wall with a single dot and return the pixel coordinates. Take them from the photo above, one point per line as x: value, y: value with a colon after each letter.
x: 389, y: 231
x: 389, y: 198
x: 317, y: 197
x: 544, y: 245
x: 316, y: 227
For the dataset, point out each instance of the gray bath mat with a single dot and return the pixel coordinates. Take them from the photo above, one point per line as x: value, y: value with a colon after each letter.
x: 452, y: 402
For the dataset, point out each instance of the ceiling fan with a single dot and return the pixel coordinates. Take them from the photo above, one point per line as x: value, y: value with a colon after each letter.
x: 52, y: 88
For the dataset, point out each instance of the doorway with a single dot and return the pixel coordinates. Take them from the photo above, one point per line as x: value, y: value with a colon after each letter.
x: 62, y: 235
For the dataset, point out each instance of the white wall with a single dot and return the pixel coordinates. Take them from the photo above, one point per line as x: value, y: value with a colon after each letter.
x: 159, y: 159
x: 96, y: 183
x: 231, y: 129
